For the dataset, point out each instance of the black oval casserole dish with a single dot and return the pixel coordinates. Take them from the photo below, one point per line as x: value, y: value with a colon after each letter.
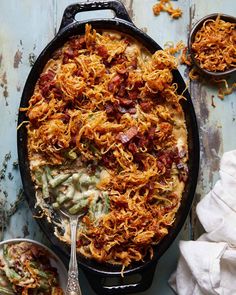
x: 95, y: 271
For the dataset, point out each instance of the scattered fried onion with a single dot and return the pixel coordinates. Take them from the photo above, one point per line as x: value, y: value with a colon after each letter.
x: 166, y: 5
x: 223, y: 91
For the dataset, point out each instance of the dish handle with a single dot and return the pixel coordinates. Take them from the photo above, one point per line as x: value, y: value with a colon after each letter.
x: 114, y: 5
x: 109, y: 284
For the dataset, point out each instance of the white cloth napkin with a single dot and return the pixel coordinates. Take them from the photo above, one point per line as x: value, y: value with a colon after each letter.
x: 208, y: 266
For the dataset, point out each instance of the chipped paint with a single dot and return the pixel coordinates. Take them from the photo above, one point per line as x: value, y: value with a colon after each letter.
x: 10, y: 176
x: 5, y: 94
x: 4, y: 166
x: 25, y: 231
x: 32, y: 59
x: 210, y: 144
x: 204, y: 111
x: 129, y: 7
x: 17, y: 58
x: 3, y: 84
x: 144, y: 29
x: 4, y: 78
x: 18, y: 88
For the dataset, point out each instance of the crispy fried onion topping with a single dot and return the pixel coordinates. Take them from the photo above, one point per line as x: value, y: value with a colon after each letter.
x: 106, y: 99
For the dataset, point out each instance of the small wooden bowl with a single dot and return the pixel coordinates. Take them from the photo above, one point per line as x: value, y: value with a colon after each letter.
x: 191, y: 39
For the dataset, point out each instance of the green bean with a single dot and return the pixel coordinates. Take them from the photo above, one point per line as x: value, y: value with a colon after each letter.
x: 61, y: 198
x: 5, y: 252
x: 6, y: 256
x: 98, y: 208
x: 48, y: 173
x: 45, y: 189
x: 106, y: 202
x: 12, y: 274
x: 79, y: 206
x: 94, y: 150
x: 85, y: 180
x: 98, y: 211
x: 92, y: 206
x: 58, y: 180
x: 38, y: 177
x: 75, y: 180
x: 70, y: 191
x: 42, y: 274
x: 44, y: 285
x: 77, y: 197
x: 68, y: 181
x: 6, y: 291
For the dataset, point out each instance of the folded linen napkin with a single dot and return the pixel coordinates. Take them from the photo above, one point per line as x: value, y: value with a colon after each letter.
x: 208, y: 266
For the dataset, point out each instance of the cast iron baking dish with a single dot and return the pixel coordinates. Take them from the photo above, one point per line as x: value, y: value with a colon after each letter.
x: 98, y: 272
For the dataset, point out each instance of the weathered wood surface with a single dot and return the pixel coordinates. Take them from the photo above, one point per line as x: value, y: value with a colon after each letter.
x: 26, y: 27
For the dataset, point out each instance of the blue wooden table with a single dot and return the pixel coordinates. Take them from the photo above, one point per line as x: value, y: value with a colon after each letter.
x: 26, y: 27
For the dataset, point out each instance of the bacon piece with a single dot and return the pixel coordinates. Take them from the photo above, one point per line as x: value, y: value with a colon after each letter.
x: 125, y: 137
x: 143, y: 142
x: 160, y: 165
x: 109, y: 108
x: 102, y: 51
x: 117, y: 116
x: 139, y: 83
x: 126, y: 102
x: 46, y: 89
x: 46, y: 81
x: 166, y: 160
x: 77, y: 42
x: 132, y: 148
x: 133, y: 94
x: 122, y: 90
x: 116, y: 79
x: 46, y: 77
x: 113, y: 83
x: 146, y: 106
x: 69, y: 52
x: 151, y: 133
x: 65, y: 59
x: 109, y: 160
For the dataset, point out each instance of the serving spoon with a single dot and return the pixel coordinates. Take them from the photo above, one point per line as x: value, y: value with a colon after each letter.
x: 73, y: 287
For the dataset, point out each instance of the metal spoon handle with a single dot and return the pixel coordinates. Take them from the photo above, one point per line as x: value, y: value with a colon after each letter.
x: 73, y: 287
